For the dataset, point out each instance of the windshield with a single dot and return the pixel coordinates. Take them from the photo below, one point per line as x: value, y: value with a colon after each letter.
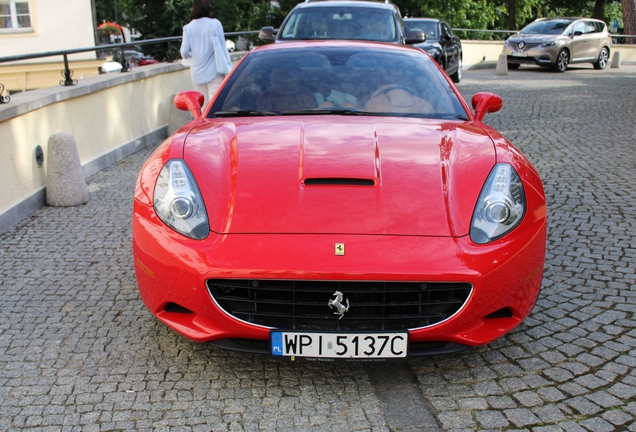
x: 338, y: 80
x: 552, y: 27
x: 428, y: 27
x: 353, y: 23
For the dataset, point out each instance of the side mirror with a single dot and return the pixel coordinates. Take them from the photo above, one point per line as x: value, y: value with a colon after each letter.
x: 578, y: 33
x: 267, y: 34
x: 415, y: 36
x: 190, y: 100
x: 484, y: 103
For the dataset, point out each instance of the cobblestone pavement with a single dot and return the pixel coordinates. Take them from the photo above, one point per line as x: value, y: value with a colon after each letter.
x: 79, y: 351
x: 570, y: 365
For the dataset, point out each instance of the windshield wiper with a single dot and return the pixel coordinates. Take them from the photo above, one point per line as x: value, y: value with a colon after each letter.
x: 461, y: 117
x: 330, y: 111
x: 243, y: 113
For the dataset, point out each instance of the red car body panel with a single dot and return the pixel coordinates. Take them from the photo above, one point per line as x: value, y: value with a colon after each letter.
x: 255, y: 174
x: 411, y: 221
x: 171, y: 269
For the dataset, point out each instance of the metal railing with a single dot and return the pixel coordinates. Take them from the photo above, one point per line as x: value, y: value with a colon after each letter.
x: 171, y: 55
x: 67, y: 73
x: 483, y: 34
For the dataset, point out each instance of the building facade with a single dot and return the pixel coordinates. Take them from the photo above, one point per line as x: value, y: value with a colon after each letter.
x: 35, y: 26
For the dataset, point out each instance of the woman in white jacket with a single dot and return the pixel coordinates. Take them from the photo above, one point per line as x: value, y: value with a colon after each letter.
x: 199, y: 45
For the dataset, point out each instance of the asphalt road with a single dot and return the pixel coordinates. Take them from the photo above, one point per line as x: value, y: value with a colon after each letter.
x: 79, y: 351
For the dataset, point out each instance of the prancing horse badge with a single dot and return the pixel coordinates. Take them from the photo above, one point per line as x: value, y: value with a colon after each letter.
x: 340, y: 248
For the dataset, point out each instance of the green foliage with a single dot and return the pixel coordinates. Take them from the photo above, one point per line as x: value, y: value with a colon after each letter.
x: 162, y: 18
x: 613, y: 11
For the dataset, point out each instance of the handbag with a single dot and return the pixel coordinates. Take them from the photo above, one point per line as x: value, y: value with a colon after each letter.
x: 223, y: 66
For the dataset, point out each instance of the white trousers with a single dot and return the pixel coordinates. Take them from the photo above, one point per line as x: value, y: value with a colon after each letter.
x: 209, y: 89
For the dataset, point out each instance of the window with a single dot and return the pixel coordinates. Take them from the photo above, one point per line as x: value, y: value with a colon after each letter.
x: 14, y: 15
x: 579, y: 27
x: 446, y: 30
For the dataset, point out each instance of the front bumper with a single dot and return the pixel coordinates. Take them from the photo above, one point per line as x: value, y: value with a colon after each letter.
x: 172, y: 272
x: 537, y: 56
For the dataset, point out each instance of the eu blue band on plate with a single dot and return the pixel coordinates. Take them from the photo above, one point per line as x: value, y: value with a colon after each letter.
x: 277, y: 343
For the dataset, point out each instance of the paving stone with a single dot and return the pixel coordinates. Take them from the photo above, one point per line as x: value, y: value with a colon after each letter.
x: 528, y: 398
x: 491, y: 419
x: 597, y: 425
x: 617, y: 417
x: 521, y: 417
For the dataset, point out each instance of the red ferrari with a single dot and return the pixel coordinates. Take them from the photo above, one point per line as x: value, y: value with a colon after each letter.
x: 339, y: 200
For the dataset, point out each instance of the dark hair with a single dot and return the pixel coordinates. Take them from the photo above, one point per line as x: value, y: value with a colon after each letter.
x: 200, y: 9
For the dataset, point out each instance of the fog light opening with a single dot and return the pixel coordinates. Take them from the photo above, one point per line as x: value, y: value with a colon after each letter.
x: 501, y: 313
x: 173, y: 307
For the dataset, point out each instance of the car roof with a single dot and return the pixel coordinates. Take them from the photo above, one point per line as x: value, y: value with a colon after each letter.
x: 423, y: 19
x: 350, y: 3
x: 344, y: 43
x: 571, y: 19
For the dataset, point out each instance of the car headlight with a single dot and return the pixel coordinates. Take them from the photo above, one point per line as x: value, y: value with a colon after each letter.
x: 501, y: 205
x: 178, y: 202
x: 548, y: 44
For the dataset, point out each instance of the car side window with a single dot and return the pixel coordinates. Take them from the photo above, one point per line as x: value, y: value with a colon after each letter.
x: 579, y: 27
x: 447, y: 29
x: 590, y: 27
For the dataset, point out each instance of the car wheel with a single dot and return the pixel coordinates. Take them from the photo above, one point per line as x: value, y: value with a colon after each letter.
x: 513, y: 66
x: 562, y: 61
x: 457, y: 76
x: 603, y: 59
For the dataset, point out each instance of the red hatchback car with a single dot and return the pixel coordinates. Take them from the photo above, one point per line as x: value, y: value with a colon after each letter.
x: 339, y: 200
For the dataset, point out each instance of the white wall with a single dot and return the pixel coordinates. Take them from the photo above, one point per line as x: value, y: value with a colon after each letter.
x: 57, y: 25
x: 109, y: 116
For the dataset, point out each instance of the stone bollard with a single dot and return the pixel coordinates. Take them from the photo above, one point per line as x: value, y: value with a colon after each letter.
x: 65, y: 183
x: 616, y: 60
x: 502, y: 65
x: 176, y: 117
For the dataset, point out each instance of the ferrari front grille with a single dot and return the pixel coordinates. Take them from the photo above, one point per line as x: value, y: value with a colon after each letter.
x: 305, y: 305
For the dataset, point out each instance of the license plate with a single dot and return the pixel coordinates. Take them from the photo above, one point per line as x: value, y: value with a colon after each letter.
x: 519, y: 54
x: 348, y: 346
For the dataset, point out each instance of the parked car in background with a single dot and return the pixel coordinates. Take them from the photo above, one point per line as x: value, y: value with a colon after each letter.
x: 343, y: 19
x: 559, y: 42
x: 339, y: 200
x: 441, y: 44
x: 138, y: 58
x: 110, y: 67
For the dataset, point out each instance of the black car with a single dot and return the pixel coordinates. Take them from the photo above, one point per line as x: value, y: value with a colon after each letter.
x: 441, y: 44
x: 343, y: 19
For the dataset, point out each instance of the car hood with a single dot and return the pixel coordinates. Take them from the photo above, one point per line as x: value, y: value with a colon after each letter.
x: 339, y: 175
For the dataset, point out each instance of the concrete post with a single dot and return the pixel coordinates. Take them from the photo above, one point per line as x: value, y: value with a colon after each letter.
x: 502, y: 65
x: 65, y: 183
x: 616, y: 60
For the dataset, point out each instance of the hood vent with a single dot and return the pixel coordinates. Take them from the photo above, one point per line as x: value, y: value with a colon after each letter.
x: 338, y: 182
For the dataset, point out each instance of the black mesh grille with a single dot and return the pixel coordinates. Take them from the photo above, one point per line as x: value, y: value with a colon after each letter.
x: 527, y: 46
x: 303, y: 305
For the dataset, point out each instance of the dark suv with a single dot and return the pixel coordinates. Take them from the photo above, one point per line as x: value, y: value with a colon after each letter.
x: 441, y: 44
x: 343, y: 19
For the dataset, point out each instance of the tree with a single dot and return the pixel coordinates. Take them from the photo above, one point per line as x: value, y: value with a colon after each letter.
x: 629, y: 19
